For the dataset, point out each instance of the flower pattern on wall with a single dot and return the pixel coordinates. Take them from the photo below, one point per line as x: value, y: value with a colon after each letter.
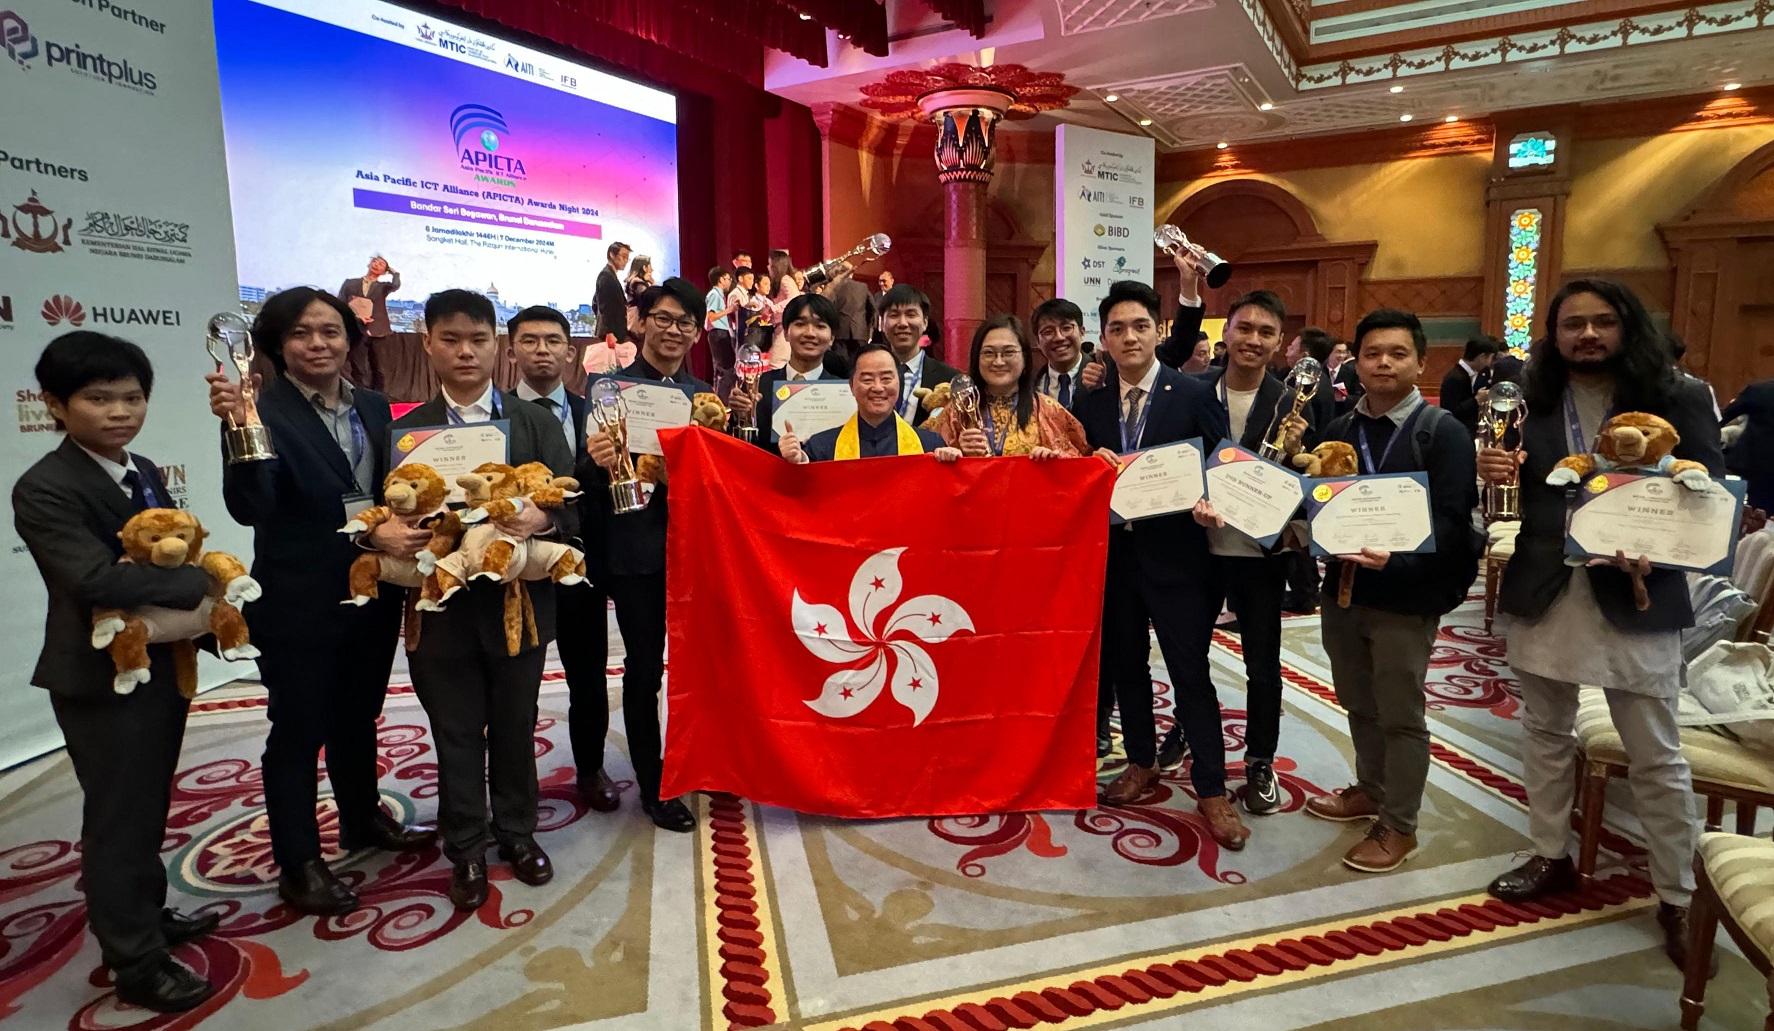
x: 1524, y: 261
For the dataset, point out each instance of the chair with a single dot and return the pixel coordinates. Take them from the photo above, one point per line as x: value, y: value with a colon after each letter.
x: 1499, y: 545
x: 1734, y: 885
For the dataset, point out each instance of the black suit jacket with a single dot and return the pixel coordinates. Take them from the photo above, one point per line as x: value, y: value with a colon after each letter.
x: 68, y: 511
x: 1185, y: 329
x: 833, y: 368
x: 612, y: 306
x: 933, y: 374
x: 1537, y: 573
x: 1262, y: 410
x: 476, y: 616
x: 1459, y: 398
x: 293, y: 504
x: 1752, y: 457
x: 1347, y: 378
x: 632, y: 544
x: 1169, y: 547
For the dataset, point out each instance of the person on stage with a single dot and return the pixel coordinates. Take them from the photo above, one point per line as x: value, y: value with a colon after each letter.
x: 367, y: 299
x: 1569, y: 625
x: 1379, y: 646
x: 1059, y: 326
x: 542, y: 348
x: 629, y: 556
x: 811, y: 319
x: 68, y: 509
x: 904, y: 318
x: 1247, y: 576
x: 787, y: 286
x: 1014, y: 418
x: 876, y: 430
x: 721, y: 348
x: 850, y: 296
x: 325, y: 666
x: 482, y: 700
x: 611, y: 300
x: 1157, y: 568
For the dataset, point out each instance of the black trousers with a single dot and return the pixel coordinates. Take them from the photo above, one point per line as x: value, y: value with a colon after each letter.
x: 1182, y: 617
x: 482, y: 707
x: 125, y: 750
x: 582, y: 638
x: 640, y: 614
x: 1253, y: 587
x: 721, y: 353
x: 1302, y: 580
x: 331, y: 696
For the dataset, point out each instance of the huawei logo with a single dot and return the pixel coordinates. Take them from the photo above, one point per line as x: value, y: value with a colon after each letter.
x: 62, y: 308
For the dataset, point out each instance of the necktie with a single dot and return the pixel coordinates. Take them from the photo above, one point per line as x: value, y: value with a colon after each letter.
x: 1130, y: 426
x: 1065, y: 390
x: 138, y: 496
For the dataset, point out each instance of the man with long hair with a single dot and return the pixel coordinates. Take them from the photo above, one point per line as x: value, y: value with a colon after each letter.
x: 1580, y: 625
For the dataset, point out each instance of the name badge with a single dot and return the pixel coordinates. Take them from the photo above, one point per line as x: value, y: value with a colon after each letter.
x: 355, y: 503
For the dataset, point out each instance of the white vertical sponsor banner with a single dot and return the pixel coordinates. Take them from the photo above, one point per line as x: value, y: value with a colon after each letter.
x: 114, y: 195
x: 1103, y: 189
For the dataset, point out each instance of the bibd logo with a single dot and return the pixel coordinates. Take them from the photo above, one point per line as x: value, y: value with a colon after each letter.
x: 479, y: 132
x: 24, y: 48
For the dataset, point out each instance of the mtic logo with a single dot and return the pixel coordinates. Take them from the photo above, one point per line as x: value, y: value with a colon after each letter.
x: 62, y: 308
x: 427, y: 34
x: 476, y: 129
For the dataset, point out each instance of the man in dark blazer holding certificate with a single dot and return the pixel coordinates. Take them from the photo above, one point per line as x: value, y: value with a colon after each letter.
x: 808, y: 321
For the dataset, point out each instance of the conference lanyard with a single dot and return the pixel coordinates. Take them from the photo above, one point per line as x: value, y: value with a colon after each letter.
x: 1403, y: 430
x: 1129, y: 441
x: 993, y: 442
x: 360, y: 441
x: 1578, y: 443
x: 457, y: 420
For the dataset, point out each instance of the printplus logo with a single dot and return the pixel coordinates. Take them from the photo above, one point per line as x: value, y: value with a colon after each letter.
x: 23, y: 46
x: 477, y: 130
x: 16, y: 37
x: 62, y: 308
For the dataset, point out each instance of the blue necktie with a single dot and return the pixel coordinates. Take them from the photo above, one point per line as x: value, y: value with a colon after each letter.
x: 1065, y: 390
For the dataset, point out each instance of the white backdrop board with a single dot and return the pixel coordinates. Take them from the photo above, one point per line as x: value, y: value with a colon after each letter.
x: 1103, y: 195
x: 114, y: 192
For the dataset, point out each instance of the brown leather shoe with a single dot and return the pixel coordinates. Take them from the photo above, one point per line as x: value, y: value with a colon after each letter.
x: 1223, y: 822
x: 1133, y: 783
x: 1382, y: 850
x: 1347, y: 805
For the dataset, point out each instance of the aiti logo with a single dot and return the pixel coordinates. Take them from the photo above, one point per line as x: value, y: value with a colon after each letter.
x: 477, y: 129
x: 62, y: 308
x: 16, y: 37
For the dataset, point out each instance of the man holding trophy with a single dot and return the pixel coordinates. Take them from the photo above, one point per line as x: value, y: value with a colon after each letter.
x: 809, y: 321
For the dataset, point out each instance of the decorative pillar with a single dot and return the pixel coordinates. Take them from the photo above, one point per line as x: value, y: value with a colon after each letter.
x: 967, y: 122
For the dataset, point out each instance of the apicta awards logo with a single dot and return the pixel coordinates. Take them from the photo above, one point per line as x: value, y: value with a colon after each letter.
x: 479, y: 132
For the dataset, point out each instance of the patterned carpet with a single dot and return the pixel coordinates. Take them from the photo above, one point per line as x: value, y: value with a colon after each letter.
x: 1105, y: 918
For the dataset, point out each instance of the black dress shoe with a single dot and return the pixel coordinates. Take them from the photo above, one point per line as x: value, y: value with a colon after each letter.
x: 468, y: 884
x: 177, y: 928
x: 600, y: 793
x: 671, y: 815
x: 312, y: 888
x: 390, y: 835
x: 1171, y: 752
x: 528, y: 862
x: 1535, y: 878
x: 1105, y: 740
x: 162, y: 984
x: 1674, y: 921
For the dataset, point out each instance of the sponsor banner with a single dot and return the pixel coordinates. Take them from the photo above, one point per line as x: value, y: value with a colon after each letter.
x: 1103, y: 193
x: 114, y: 218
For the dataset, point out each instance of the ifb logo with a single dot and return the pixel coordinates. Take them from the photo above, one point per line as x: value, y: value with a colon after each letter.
x: 16, y: 37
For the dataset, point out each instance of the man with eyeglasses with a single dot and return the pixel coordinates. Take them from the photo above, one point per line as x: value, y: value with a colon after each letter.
x: 1059, y: 332
x: 628, y: 555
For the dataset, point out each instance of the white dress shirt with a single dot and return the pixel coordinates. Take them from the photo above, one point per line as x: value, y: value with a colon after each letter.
x: 563, y: 412
x: 113, y: 469
x: 480, y: 411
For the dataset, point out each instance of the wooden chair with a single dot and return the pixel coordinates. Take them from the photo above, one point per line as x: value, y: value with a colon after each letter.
x: 1734, y: 885
x: 1499, y: 545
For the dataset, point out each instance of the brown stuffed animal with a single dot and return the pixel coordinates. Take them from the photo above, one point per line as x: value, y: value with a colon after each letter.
x: 707, y: 410
x: 1331, y: 458
x: 413, y: 494
x: 933, y: 399
x: 169, y: 538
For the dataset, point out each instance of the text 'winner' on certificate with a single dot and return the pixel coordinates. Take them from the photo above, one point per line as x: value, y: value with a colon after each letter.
x: 1255, y: 497
x: 812, y: 406
x: 1674, y: 526
x: 453, y: 450
x: 1158, y: 481
x: 652, y: 406
x: 1389, y: 512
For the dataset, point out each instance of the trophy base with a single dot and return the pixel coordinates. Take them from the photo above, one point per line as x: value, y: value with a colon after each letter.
x: 626, y: 496
x: 1502, y: 502
x: 243, y: 444
x: 1270, y: 453
x: 749, y: 434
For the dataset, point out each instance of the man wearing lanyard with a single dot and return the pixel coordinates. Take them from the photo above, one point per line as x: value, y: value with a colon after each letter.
x: 482, y: 700
x: 809, y: 322
x: 1058, y: 325
x: 325, y: 665
x: 904, y: 318
x: 1157, y: 568
x: 542, y: 348
x: 1569, y: 625
x: 1379, y: 646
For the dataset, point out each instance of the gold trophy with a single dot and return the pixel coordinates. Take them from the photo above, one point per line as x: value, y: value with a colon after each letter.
x: 1506, y: 409
x: 964, y: 397
x: 868, y: 250
x: 1302, y: 384
x: 230, y: 339
x: 750, y: 364
x: 1172, y: 240
x: 606, y: 408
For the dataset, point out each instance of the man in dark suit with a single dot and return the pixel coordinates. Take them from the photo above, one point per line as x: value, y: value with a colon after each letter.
x: 904, y: 316
x: 481, y: 699
x: 1058, y: 325
x: 855, y: 308
x: 325, y: 665
x: 1178, y: 347
x: 807, y: 322
x: 1572, y: 625
x: 542, y: 347
x: 1158, y: 567
x: 367, y: 299
x: 1459, y: 388
x: 610, y: 298
x: 1752, y: 457
x: 68, y: 509
x: 628, y: 551
x: 876, y: 430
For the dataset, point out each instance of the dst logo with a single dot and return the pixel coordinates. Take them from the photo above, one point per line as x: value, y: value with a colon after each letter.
x: 477, y: 128
x: 23, y: 48
x: 40, y: 235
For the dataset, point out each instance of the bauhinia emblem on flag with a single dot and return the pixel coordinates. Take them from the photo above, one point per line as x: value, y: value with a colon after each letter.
x: 882, y: 650
x: 884, y: 637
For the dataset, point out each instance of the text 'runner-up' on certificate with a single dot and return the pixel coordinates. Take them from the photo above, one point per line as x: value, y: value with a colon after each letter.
x: 812, y: 406
x: 1389, y: 512
x: 1157, y: 481
x: 1255, y: 497
x: 454, y: 450
x: 1654, y: 516
x: 652, y: 406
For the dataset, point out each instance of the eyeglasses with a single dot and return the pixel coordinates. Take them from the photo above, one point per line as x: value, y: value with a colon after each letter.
x: 989, y: 355
x: 661, y: 321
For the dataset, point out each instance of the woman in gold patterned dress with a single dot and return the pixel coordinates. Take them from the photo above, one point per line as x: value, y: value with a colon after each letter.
x: 1014, y: 418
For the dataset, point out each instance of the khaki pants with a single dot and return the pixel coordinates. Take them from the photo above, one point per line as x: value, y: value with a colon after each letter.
x: 1378, y: 660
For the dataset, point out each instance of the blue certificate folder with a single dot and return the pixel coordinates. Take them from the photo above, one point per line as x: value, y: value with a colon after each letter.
x: 1704, y: 543
x: 1323, y: 493
x: 1227, y: 452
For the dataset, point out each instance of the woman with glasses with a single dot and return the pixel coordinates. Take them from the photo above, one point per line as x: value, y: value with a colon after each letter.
x: 1014, y: 418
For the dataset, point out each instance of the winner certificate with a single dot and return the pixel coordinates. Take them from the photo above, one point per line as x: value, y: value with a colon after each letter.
x: 1255, y: 497
x: 1390, y: 512
x: 1158, y: 481
x: 1654, y: 516
x: 812, y: 405
x: 453, y: 450
x: 652, y: 406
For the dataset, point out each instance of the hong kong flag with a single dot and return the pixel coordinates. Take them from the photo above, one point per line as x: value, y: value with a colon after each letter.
x: 883, y: 637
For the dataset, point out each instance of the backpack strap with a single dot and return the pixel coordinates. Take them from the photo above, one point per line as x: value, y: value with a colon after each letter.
x: 1425, y: 431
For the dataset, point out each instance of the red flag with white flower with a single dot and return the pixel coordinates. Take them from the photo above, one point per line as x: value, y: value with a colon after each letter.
x: 883, y: 637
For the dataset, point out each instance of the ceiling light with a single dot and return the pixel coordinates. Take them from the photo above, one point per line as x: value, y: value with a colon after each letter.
x: 1222, y: 144
x: 1405, y: 118
x: 1265, y: 106
x: 1451, y: 118
x: 1111, y: 98
x: 1733, y: 85
x: 1145, y: 122
x: 806, y: 17
x: 1396, y: 89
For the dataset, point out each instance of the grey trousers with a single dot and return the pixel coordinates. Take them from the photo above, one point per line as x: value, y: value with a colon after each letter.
x: 1378, y: 660
x: 1662, y: 791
